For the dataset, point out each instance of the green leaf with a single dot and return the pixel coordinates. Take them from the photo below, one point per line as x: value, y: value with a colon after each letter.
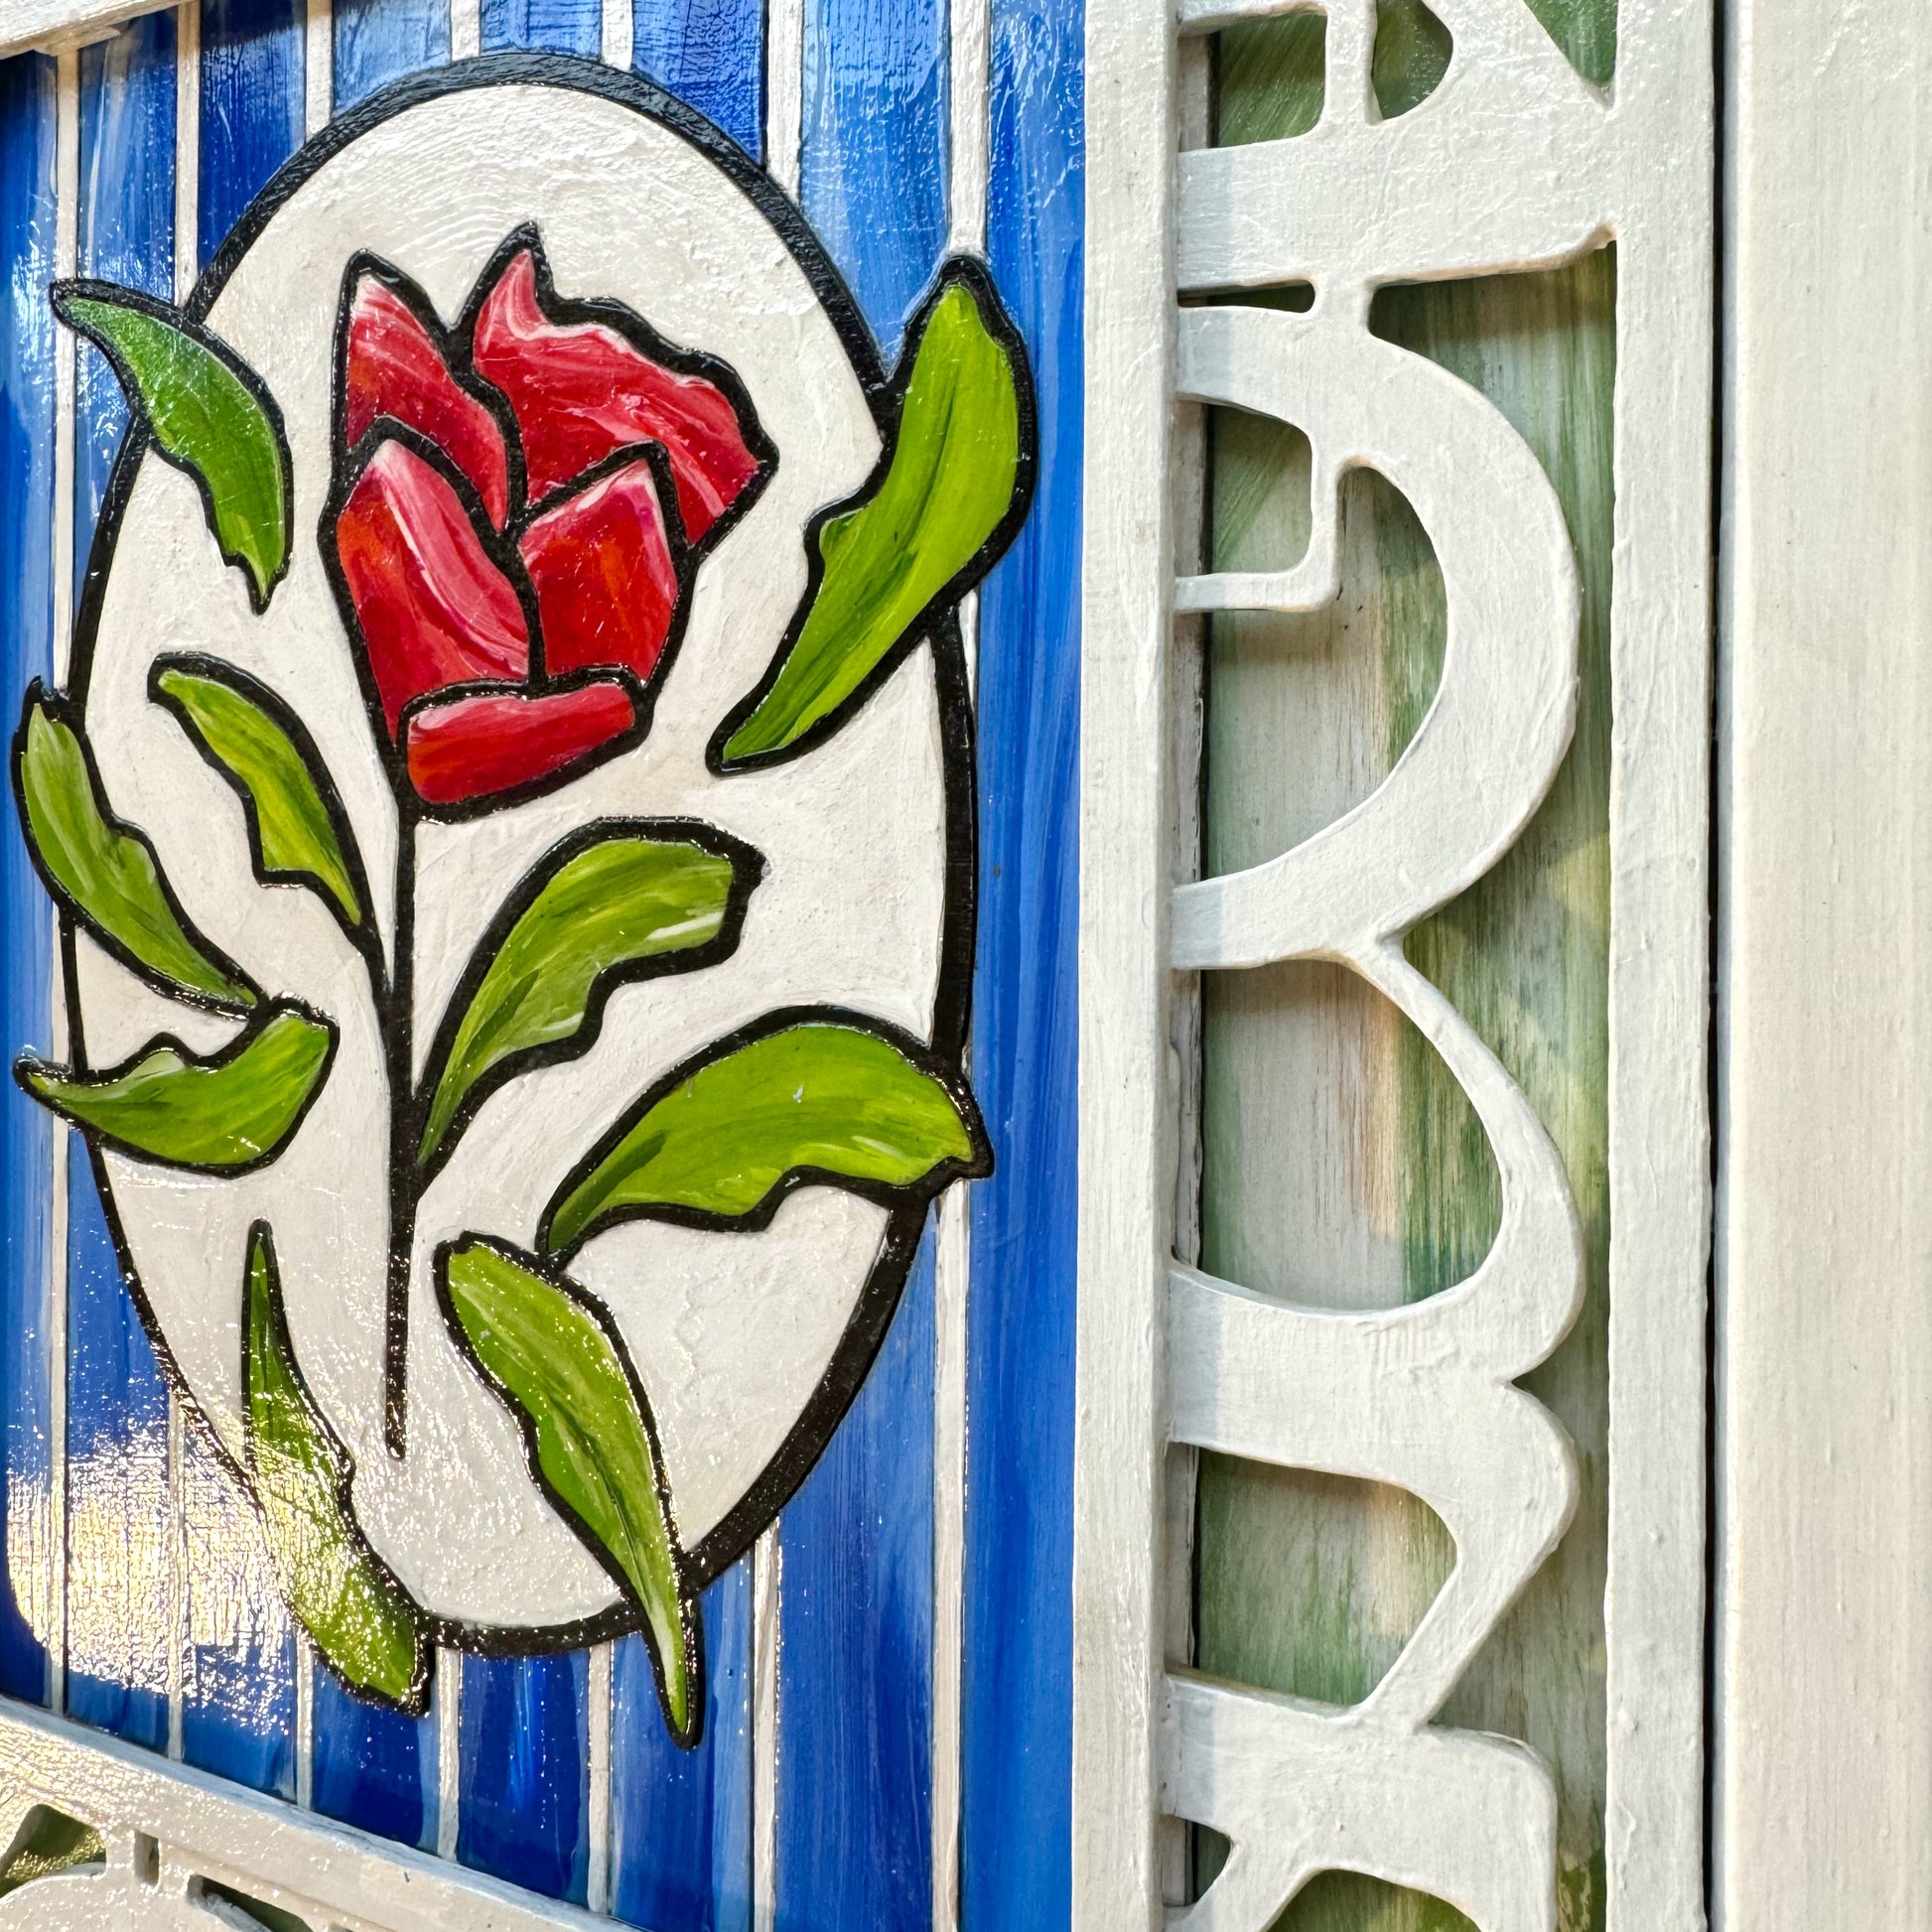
x: 607, y: 907
x: 548, y: 1351
x: 296, y: 833
x: 103, y: 869
x: 356, y: 1614
x: 956, y: 468
x: 721, y: 1139
x: 223, y: 1113
x: 209, y: 415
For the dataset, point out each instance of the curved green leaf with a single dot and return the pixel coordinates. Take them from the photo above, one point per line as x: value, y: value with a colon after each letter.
x: 225, y: 1113
x: 209, y: 415
x: 104, y: 871
x: 356, y: 1613
x: 721, y: 1138
x: 956, y: 470
x: 554, y: 1362
x: 295, y: 833
x: 599, y: 910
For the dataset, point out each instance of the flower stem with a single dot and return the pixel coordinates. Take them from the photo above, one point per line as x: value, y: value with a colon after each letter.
x: 398, y: 1029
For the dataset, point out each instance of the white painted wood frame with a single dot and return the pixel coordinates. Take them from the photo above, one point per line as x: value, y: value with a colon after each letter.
x: 1824, y: 1279
x: 1513, y: 162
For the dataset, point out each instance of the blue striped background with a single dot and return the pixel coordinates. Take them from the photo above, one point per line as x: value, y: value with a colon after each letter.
x: 855, y: 1609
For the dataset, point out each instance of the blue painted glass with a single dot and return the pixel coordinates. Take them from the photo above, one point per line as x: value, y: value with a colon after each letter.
x: 25, y: 924
x: 854, y: 1672
x: 563, y: 26
x: 681, y: 1820
x: 872, y: 173
x: 239, y: 1661
x: 237, y: 1691
x: 1017, y: 1690
x: 380, y: 40
x: 117, y: 1402
x: 524, y: 1808
x: 373, y: 1767
x: 252, y: 105
x: 117, y: 1487
x: 711, y: 54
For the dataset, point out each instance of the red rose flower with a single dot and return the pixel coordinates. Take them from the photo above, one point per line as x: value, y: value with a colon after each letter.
x: 520, y: 504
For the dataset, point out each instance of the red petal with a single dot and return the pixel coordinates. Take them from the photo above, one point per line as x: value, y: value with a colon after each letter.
x: 581, y: 391
x: 605, y: 586
x: 433, y: 609
x: 491, y: 740
x: 395, y: 368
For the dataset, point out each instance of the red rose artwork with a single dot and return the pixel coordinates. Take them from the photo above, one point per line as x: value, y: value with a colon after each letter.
x: 520, y: 507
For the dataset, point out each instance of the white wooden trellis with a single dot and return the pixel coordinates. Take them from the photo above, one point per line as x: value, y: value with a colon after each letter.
x: 1512, y: 163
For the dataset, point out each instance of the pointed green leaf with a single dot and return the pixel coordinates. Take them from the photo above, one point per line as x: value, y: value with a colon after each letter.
x: 598, y: 911
x: 209, y: 415
x: 553, y: 1360
x: 721, y: 1138
x: 224, y: 1113
x: 954, y: 473
x: 356, y: 1614
x: 104, y: 871
x: 296, y: 831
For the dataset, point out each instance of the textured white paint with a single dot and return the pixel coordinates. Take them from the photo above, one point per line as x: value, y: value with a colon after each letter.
x: 849, y: 911
x: 1824, y: 1814
x: 465, y: 29
x: 319, y: 65
x: 784, y: 90
x: 616, y: 32
x: 1127, y: 1104
x: 1512, y: 163
x: 200, y: 1826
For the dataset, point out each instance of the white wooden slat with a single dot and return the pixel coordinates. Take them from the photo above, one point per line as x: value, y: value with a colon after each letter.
x: 1126, y: 1113
x: 319, y: 65
x: 1824, y: 1616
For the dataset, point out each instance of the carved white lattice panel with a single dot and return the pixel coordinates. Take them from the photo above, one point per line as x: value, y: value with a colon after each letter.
x: 1513, y: 162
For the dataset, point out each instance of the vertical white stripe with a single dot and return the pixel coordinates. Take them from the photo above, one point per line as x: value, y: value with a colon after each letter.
x: 188, y: 147
x: 319, y: 65
x: 188, y: 220
x: 617, y: 32
x: 597, y: 1886
x: 67, y: 258
x: 966, y: 174
x: 951, y: 1275
x: 971, y: 136
x: 465, y: 29
x: 448, y: 1748
x: 305, y: 1722
x: 766, y: 1582
x: 784, y: 90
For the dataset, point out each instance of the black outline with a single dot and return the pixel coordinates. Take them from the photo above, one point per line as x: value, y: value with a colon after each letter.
x: 748, y: 871
x: 65, y: 711
x: 783, y: 1020
x: 415, y: 1702
x: 224, y: 1056
x: 187, y: 322
x: 957, y: 271
x: 251, y: 690
x: 690, y: 1621
x: 879, y: 1298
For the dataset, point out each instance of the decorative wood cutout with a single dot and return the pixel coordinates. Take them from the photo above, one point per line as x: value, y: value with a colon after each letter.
x: 1513, y: 162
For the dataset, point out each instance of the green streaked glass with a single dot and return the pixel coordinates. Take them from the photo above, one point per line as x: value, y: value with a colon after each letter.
x: 954, y: 468
x: 354, y: 1612
x: 619, y: 902
x: 202, y: 415
x: 103, y: 869
x: 300, y: 839
x: 587, y: 1426
x: 232, y: 1110
x: 835, y: 1100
